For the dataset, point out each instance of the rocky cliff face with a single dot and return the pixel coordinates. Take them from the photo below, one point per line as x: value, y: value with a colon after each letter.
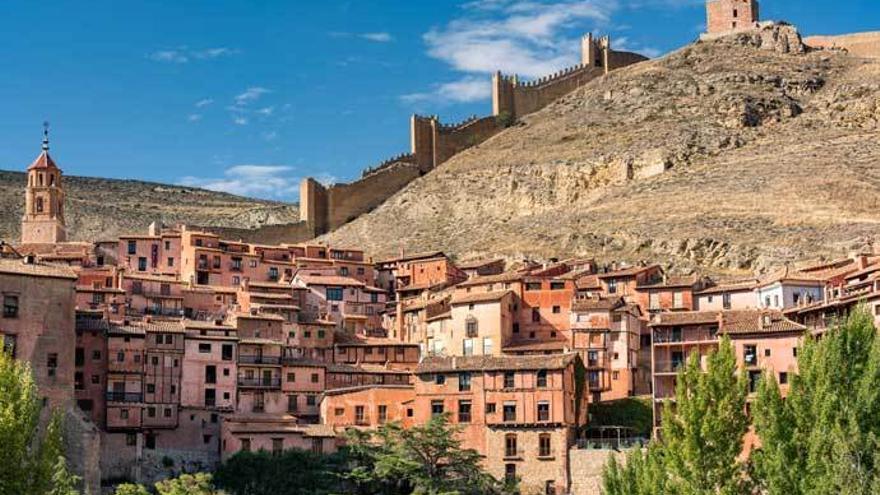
x: 733, y: 154
x: 104, y: 208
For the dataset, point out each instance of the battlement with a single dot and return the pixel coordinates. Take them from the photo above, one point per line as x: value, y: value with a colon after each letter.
x: 433, y: 142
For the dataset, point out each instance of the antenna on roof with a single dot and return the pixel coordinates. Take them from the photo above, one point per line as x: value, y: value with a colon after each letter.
x: 46, y: 135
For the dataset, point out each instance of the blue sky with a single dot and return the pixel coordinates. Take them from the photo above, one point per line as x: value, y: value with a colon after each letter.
x: 248, y: 97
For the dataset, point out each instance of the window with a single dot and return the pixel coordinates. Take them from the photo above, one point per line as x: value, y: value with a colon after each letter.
x: 311, y: 400
x: 334, y: 293
x: 273, y: 273
x: 536, y: 315
x: 490, y: 408
x: 510, y: 473
x: 79, y: 356
x: 226, y: 352
x: 464, y: 381
x: 210, y: 373
x: 339, y: 411
x: 321, y: 334
x: 96, y: 355
x: 10, y: 306
x: 557, y: 310
x: 343, y: 271
x: 467, y: 347
x: 151, y: 388
x: 725, y: 300
x: 750, y: 355
x: 359, y: 415
x: 533, y: 286
x: 612, y: 286
x: 541, y: 379
x: 767, y: 301
x: 142, y: 264
x: 783, y: 377
x: 131, y: 439
x: 766, y: 352
x: 464, y: 411
x: 245, y: 444
x: 96, y: 379
x: 776, y: 300
x: 439, y: 379
x: 557, y: 285
x: 487, y: 346
x: 132, y: 247
x: 543, y: 411
x: 292, y: 403
x: 409, y: 412
x: 543, y: 445
x: 550, y: 487
x: 509, y: 411
x: 615, y: 375
x: 277, y: 445
x: 382, y: 413
x: 471, y: 326
x: 204, y: 348
x: 137, y: 287
x: 314, y: 378
x: 123, y: 414
x: 291, y: 377
x: 167, y: 412
x: 79, y: 381
x: 51, y: 363
x: 794, y: 351
x: 436, y: 408
x: 510, y: 445
x: 120, y: 357
x: 509, y: 377
x: 210, y: 397
x: 516, y: 328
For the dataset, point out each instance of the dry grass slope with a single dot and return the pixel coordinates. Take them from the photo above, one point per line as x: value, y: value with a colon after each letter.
x: 721, y: 154
x: 104, y: 208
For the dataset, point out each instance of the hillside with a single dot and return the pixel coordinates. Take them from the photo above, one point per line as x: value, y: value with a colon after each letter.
x: 721, y: 154
x: 104, y: 208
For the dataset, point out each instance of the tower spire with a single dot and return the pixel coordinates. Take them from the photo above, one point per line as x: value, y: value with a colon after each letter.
x: 46, y: 136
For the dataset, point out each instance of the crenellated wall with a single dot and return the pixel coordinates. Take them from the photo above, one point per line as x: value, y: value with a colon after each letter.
x: 323, y: 209
x: 513, y: 98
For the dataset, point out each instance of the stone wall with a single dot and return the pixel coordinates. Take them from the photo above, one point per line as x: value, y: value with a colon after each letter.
x: 283, y: 233
x: 858, y: 44
x: 83, y: 450
x: 586, y: 469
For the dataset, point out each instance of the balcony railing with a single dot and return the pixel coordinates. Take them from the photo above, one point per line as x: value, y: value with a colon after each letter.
x: 125, y: 397
x: 668, y: 366
x: 259, y: 382
x: 244, y: 359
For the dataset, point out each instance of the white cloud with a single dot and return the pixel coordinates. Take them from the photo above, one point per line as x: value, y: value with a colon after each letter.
x: 515, y: 36
x: 467, y: 89
x: 250, y: 95
x: 267, y: 111
x: 262, y: 181
x: 194, y: 117
x: 204, y: 102
x: 270, y: 135
x: 240, y: 121
x: 183, y: 54
x: 377, y: 37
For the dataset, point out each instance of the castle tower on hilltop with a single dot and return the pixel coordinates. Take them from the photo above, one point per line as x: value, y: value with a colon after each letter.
x: 43, y: 220
x: 730, y: 15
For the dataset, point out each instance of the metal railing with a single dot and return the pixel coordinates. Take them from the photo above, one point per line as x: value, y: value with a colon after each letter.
x: 125, y: 397
x: 611, y: 443
x: 670, y: 366
x: 246, y: 359
x: 259, y: 382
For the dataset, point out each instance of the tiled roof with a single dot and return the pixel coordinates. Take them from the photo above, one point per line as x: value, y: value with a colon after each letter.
x: 442, y: 316
x: 413, y: 257
x: 479, y: 297
x: 206, y: 325
x: 685, y: 318
x: 627, y: 272
x: 364, y: 368
x: 358, y: 388
x: 37, y: 269
x: 588, y: 282
x: 757, y: 321
x: 92, y: 324
x: 495, y: 363
x: 493, y: 279
x: 553, y: 345
x: 671, y: 281
x: 259, y: 316
x: 730, y: 286
x: 787, y: 275
x: 597, y: 303
x: 270, y: 423
x: 328, y: 280
x: 168, y: 279
x: 44, y: 161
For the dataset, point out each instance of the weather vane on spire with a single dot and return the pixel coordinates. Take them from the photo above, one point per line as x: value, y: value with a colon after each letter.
x: 46, y: 135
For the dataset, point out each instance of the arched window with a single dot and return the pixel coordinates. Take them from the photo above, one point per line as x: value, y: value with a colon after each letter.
x: 39, y: 205
x: 40, y: 179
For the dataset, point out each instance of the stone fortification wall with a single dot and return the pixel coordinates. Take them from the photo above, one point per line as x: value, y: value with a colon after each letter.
x: 282, y: 233
x: 323, y: 209
x: 586, y: 469
x: 859, y: 44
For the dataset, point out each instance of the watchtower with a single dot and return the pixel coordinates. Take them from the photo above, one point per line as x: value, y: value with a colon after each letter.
x: 43, y: 220
x: 730, y: 15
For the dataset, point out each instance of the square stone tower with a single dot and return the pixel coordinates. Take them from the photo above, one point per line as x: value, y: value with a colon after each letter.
x: 43, y: 220
x: 730, y: 15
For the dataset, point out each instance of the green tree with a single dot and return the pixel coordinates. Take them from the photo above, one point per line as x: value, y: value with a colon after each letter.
x: 131, y: 489
x: 824, y: 437
x: 292, y: 472
x: 31, y: 461
x: 701, y: 436
x: 423, y: 460
x: 185, y: 484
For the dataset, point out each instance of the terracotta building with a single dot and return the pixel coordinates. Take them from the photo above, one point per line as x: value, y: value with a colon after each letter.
x: 520, y: 412
x: 368, y: 406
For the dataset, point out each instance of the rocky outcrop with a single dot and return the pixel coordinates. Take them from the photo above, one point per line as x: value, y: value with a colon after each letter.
x: 734, y: 153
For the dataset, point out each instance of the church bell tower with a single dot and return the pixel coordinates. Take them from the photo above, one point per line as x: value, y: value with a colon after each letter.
x: 43, y: 221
